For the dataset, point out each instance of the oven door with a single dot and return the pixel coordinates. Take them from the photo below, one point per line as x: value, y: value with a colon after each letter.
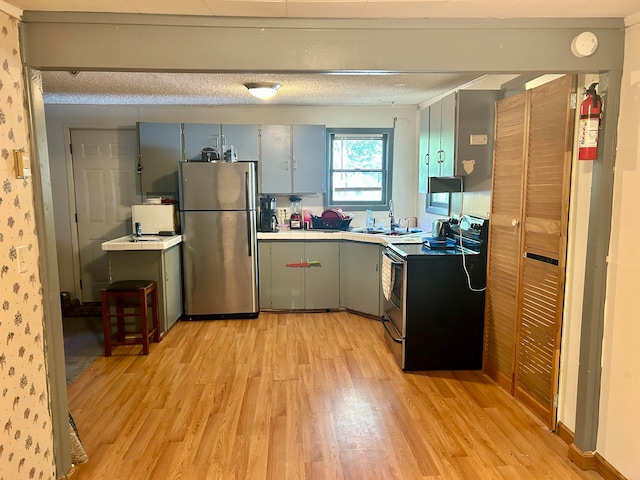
x: 393, y: 318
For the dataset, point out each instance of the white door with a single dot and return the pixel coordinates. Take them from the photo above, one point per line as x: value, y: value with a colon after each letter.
x: 105, y: 180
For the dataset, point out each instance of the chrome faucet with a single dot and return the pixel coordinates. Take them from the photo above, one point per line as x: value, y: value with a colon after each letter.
x: 392, y: 220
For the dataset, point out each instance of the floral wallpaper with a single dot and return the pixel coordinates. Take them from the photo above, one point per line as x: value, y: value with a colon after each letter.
x: 26, y: 437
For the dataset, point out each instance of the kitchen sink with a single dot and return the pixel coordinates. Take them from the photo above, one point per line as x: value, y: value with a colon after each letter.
x: 398, y: 232
x: 146, y: 238
x: 386, y: 232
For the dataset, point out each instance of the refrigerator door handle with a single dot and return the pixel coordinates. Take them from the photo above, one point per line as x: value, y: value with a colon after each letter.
x: 248, y: 211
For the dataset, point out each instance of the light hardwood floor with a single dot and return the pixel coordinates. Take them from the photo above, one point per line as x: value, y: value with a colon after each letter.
x: 299, y: 396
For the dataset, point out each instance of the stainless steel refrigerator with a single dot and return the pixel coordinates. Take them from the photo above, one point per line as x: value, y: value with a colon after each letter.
x: 218, y: 215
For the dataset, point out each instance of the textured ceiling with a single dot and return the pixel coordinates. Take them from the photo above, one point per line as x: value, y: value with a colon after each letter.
x: 144, y: 88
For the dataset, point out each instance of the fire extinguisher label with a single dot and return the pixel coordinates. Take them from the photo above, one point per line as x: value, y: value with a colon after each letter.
x: 588, y: 135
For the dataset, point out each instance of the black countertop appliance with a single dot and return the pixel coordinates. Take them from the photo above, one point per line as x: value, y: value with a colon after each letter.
x: 268, y: 219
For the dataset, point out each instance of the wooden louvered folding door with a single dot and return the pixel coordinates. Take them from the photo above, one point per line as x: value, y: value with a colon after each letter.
x: 546, y: 213
x: 504, y: 238
x: 525, y: 291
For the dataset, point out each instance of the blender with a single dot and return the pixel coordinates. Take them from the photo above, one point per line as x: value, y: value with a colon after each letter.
x: 295, y: 220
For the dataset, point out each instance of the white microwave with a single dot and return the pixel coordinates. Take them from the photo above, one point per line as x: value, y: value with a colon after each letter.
x: 154, y: 219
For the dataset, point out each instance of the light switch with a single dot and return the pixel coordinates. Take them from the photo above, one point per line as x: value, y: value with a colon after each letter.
x: 22, y: 262
x: 478, y: 139
x: 22, y: 163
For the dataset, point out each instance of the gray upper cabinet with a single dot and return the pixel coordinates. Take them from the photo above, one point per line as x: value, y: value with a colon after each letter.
x: 244, y: 139
x: 442, y: 124
x: 160, y: 150
x: 198, y: 136
x: 275, y: 161
x: 475, y: 116
x: 309, y: 159
x: 423, y: 151
x: 456, y: 138
x: 293, y: 159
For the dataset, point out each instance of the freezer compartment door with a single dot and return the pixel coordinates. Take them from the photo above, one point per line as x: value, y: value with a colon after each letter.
x: 220, y: 262
x: 217, y: 186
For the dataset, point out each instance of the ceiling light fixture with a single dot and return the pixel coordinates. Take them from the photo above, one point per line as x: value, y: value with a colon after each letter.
x: 262, y: 90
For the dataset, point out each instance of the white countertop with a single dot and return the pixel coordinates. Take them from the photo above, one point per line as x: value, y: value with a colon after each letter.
x: 147, y: 242
x: 304, y: 235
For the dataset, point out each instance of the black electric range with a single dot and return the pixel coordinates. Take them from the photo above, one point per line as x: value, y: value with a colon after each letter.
x: 434, y: 298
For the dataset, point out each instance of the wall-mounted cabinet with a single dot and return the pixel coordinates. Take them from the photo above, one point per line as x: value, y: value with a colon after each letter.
x: 198, y: 136
x: 159, y: 150
x: 244, y: 138
x: 423, y: 150
x: 442, y: 137
x: 456, y: 139
x: 293, y: 159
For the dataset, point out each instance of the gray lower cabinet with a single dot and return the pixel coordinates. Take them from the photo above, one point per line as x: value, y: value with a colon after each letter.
x: 287, y: 286
x: 264, y: 273
x: 163, y: 266
x: 360, y: 277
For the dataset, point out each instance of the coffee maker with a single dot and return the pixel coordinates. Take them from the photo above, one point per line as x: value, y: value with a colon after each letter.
x: 268, y: 218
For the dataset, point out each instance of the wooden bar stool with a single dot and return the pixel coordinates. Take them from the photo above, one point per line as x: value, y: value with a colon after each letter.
x: 132, y: 295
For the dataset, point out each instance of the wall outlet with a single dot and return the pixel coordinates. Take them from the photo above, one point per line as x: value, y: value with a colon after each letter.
x: 478, y: 139
x: 283, y: 215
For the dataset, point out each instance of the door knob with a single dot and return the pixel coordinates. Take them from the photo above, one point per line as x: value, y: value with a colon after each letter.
x: 515, y: 223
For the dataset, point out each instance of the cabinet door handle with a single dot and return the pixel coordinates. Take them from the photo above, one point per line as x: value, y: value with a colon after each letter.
x: 312, y: 263
x: 295, y: 164
x: 440, y: 156
x: 426, y: 159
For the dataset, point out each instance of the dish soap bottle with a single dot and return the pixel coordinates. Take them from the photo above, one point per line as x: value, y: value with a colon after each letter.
x: 369, y: 221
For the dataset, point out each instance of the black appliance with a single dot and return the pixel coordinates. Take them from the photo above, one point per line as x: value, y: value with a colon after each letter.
x: 268, y: 219
x: 434, y: 298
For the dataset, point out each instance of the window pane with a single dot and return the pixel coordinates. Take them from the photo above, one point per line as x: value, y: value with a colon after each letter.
x: 360, y: 162
x: 354, y: 153
x: 357, y: 186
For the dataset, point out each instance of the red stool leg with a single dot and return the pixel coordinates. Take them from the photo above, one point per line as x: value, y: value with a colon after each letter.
x: 106, y: 322
x: 144, y: 319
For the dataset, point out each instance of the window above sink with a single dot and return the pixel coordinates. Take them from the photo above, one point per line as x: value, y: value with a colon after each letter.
x: 360, y: 165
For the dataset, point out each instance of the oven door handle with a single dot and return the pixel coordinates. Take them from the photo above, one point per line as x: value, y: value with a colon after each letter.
x: 393, y: 334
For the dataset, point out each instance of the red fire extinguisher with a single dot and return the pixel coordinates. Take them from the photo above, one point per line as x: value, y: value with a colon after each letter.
x: 590, y: 111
